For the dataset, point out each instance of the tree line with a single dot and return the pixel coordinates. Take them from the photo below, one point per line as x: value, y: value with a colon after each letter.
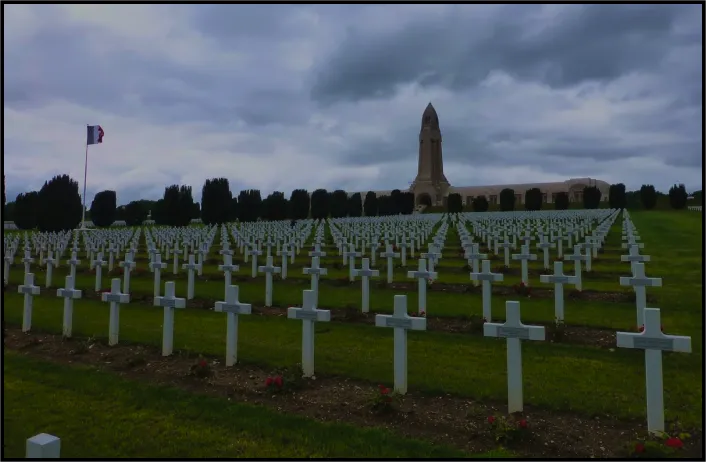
x: 57, y: 205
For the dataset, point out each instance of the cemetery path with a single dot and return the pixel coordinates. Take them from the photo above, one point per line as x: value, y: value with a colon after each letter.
x: 445, y: 419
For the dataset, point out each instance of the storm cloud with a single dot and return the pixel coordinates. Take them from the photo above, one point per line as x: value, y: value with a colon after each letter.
x: 279, y: 97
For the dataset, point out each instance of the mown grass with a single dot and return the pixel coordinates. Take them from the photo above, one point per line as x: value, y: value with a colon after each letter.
x: 98, y: 414
x: 679, y: 293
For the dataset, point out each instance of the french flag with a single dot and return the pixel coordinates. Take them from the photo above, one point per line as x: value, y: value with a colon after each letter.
x: 95, y: 134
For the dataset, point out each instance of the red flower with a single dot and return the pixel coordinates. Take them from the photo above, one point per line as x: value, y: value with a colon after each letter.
x: 522, y: 284
x: 268, y: 381
x: 522, y: 423
x: 674, y: 442
x: 639, y: 448
x: 203, y: 363
x: 278, y: 381
x: 384, y: 390
x: 491, y: 419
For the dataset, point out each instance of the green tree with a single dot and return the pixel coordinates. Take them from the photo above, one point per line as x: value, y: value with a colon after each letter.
x: 648, y: 196
x: 320, y: 206
x: 216, y: 201
x: 299, y: 204
x: 234, y: 208
x: 617, y: 198
x: 178, y: 206
x: 274, y: 207
x: 698, y: 196
x: 195, y: 211
x: 103, y: 208
x: 561, y: 201
x: 507, y: 200
x: 135, y: 213
x: 9, y: 211
x: 533, y: 199
x: 591, y: 197
x: 407, y: 203
x: 370, y: 205
x: 454, y: 204
x: 26, y: 210
x: 59, y: 205
x: 339, y: 204
x: 480, y: 204
x: 386, y: 206
x: 355, y: 205
x: 396, y: 197
x: 249, y: 205
x: 677, y: 196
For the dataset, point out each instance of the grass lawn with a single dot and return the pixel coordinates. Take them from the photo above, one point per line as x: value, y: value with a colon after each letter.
x: 98, y: 415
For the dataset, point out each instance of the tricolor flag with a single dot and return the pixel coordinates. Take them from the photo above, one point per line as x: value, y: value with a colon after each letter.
x: 95, y: 134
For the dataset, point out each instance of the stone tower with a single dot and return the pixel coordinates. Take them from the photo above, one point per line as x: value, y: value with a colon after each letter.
x: 430, y: 180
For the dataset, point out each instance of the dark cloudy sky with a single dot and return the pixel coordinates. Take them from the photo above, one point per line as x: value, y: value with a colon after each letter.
x: 278, y: 97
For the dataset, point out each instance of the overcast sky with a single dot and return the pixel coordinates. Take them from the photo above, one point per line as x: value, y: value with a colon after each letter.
x: 278, y: 97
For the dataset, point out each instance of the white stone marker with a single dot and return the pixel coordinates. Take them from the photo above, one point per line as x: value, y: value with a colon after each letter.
x: 545, y: 245
x: 254, y: 252
x: 49, y: 261
x: 422, y: 276
x: 351, y: 254
x: 401, y: 322
x: 269, y: 269
x: 639, y: 283
x: 69, y: 293
x: 524, y: 256
x: 577, y: 257
x: 43, y: 446
x: 315, y: 271
x: 389, y: 254
x: 284, y: 253
x: 111, y: 250
x: 232, y: 307
x: 175, y: 263
x: 228, y: 267
x: 308, y: 314
x: 157, y: 266
x: 7, y: 261
x: 27, y: 260
x: 654, y: 342
x: 98, y: 264
x: 634, y: 257
x: 29, y: 290
x: 365, y: 274
x: 487, y: 277
x: 513, y: 330
x: 558, y: 279
x: 115, y: 297
x: 73, y: 263
x: 191, y: 266
x: 474, y: 257
x: 127, y: 265
x: 169, y: 302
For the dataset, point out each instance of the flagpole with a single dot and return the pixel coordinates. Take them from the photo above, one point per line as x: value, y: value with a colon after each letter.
x: 85, y: 175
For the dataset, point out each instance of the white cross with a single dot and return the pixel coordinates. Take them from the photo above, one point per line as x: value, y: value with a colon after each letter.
x: 232, y: 307
x: 389, y: 254
x: 73, y: 262
x: 315, y: 271
x: 69, y: 294
x: 365, y: 273
x: 169, y: 302
x: 111, y: 250
x: 634, y: 257
x: 401, y: 323
x: 577, y: 258
x: 115, y: 297
x: 654, y: 342
x: 43, y: 446
x: 403, y: 251
x: 49, y: 261
x: 506, y: 250
x: 422, y: 275
x: 558, y: 279
x: 7, y: 261
x: 29, y: 290
x: 473, y: 257
x: 308, y: 314
x: 588, y: 246
x: 157, y: 266
x: 254, y: 252
x: 431, y: 257
x: 269, y: 269
x: 317, y: 252
x: 487, y: 277
x: 202, y: 253
x: 351, y: 255
x: 284, y: 253
x: 639, y: 283
x: 545, y: 245
x: 127, y: 266
x: 513, y: 330
x: 228, y: 267
x: 524, y: 257
x: 191, y: 266
x: 98, y: 264
x: 27, y: 260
